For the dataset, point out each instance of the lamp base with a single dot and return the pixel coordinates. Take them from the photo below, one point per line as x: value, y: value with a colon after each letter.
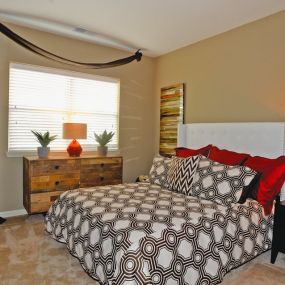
x: 74, y: 149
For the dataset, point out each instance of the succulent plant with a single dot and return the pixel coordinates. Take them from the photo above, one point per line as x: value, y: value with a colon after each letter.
x: 103, y: 138
x: 44, y: 138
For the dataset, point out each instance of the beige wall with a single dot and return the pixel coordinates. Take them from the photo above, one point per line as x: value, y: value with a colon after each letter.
x: 136, y: 104
x: 237, y: 76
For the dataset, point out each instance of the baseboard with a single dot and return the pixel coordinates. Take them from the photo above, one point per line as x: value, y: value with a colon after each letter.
x: 14, y: 213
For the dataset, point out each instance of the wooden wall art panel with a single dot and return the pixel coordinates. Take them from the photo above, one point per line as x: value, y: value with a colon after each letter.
x: 171, y: 114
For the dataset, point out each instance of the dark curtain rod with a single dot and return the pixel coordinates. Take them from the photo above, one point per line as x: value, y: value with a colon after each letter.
x: 37, y: 50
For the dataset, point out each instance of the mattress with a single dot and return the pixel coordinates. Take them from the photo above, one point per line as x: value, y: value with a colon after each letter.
x: 139, y: 233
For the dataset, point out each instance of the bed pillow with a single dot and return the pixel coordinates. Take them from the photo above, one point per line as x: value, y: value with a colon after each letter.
x: 220, y: 183
x: 159, y: 170
x: 181, y: 173
x: 259, y: 164
x: 270, y: 186
x: 226, y: 156
x: 272, y: 178
x: 186, y: 152
x: 250, y: 190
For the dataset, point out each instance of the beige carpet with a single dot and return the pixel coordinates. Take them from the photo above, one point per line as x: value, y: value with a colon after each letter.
x: 28, y: 256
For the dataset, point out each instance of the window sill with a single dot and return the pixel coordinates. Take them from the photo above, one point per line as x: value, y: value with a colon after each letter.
x: 55, y: 153
x: 20, y: 153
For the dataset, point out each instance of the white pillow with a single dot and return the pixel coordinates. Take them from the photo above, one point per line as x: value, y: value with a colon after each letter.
x: 159, y: 170
x: 220, y: 183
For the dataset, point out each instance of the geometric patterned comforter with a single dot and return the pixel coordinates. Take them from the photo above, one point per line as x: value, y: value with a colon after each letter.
x: 138, y: 233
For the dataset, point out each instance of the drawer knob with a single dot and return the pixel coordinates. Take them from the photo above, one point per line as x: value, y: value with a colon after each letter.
x: 56, y: 167
x: 101, y: 178
x: 56, y: 182
x: 102, y: 165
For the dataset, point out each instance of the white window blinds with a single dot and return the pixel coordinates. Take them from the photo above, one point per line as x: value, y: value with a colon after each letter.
x: 42, y: 99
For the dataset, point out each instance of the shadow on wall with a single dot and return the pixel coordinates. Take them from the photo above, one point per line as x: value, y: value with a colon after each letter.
x: 136, y: 128
x: 134, y: 148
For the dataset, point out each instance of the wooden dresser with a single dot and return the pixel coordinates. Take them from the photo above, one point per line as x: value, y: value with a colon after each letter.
x: 45, y: 179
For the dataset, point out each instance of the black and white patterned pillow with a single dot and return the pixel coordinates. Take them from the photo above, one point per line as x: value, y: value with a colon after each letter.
x: 181, y: 173
x: 159, y: 170
x: 220, y: 183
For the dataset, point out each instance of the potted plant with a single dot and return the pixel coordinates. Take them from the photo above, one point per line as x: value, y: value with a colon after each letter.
x: 44, y: 140
x: 103, y: 139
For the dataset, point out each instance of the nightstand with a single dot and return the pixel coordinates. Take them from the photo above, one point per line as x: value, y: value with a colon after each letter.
x: 46, y: 179
x: 278, y: 241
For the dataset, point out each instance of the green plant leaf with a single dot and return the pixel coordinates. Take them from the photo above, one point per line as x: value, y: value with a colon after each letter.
x: 44, y: 139
x: 104, y: 138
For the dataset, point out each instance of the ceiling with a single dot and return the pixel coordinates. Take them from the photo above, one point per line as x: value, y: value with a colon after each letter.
x: 155, y: 26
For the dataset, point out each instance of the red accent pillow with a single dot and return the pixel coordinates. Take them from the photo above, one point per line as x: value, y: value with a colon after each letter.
x: 227, y: 157
x: 186, y: 152
x: 271, y: 180
x: 259, y: 163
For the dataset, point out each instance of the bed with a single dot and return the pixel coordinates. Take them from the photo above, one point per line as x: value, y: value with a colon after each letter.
x: 142, y: 233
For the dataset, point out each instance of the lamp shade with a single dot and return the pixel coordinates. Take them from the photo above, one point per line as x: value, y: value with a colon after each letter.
x: 74, y: 131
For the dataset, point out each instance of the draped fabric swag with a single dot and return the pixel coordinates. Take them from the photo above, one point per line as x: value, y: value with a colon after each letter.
x: 35, y: 49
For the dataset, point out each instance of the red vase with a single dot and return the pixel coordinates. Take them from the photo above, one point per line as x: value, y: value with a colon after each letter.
x: 74, y: 148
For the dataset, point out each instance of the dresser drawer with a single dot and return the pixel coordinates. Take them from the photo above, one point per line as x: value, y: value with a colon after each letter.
x: 99, y: 168
x: 41, y: 202
x: 100, y: 162
x: 103, y: 178
x: 102, y: 171
x: 55, y: 182
x: 47, y: 167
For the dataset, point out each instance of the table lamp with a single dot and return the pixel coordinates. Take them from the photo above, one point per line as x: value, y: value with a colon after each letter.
x: 74, y: 131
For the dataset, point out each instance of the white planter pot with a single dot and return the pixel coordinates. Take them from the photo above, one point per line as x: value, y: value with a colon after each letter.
x: 43, y: 151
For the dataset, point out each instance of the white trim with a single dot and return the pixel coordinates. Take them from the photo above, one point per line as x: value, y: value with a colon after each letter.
x: 86, y: 149
x: 14, y: 213
x: 54, y: 153
x: 20, y: 153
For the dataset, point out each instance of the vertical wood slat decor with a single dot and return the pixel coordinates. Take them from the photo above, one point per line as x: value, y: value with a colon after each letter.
x: 171, y: 114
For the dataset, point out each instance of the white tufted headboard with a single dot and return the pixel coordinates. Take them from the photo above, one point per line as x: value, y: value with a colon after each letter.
x: 264, y: 139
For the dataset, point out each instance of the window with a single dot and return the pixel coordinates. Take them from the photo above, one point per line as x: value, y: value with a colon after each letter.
x: 42, y: 99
